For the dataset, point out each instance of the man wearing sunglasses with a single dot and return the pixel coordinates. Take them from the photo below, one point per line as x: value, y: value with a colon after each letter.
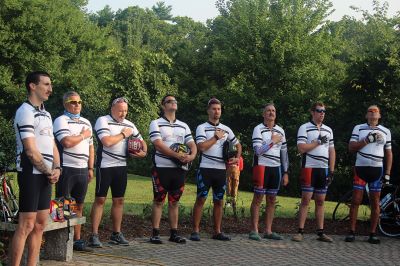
x: 38, y: 166
x: 372, y: 143
x: 315, y: 143
x: 167, y: 176
x: 75, y: 143
x: 112, y: 133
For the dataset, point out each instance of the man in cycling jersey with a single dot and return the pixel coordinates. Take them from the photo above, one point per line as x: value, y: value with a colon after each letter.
x: 315, y: 143
x: 270, y: 169
x: 210, y: 138
x: 170, y: 166
x: 38, y: 165
x: 75, y: 143
x: 112, y: 132
x: 372, y: 143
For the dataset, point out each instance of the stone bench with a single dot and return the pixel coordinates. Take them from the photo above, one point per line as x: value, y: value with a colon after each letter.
x: 58, y: 238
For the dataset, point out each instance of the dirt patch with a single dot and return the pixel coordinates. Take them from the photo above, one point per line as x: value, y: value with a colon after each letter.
x: 134, y: 227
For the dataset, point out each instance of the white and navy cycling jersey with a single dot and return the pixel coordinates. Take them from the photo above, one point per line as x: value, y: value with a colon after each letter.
x: 78, y: 155
x: 170, y: 133
x: 31, y: 121
x: 371, y: 154
x: 319, y: 156
x: 116, y: 154
x: 212, y: 158
x: 277, y: 154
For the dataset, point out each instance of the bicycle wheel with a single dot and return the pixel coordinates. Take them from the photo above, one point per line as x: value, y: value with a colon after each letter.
x: 342, y: 209
x: 5, y: 212
x: 389, y: 222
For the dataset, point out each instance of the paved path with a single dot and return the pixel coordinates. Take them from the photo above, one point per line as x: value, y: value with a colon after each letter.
x: 242, y: 251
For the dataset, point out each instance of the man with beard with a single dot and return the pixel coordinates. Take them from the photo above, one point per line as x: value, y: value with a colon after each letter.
x: 210, y: 138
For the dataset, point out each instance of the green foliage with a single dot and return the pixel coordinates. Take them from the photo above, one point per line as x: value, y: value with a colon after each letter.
x: 162, y: 11
x: 7, y: 143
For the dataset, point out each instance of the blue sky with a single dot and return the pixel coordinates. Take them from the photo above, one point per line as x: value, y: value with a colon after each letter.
x: 201, y: 10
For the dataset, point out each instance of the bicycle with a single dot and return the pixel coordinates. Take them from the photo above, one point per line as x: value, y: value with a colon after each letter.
x: 342, y: 208
x: 389, y: 222
x: 9, y: 204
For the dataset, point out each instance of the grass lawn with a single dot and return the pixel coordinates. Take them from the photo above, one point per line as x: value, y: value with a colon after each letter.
x: 139, y: 195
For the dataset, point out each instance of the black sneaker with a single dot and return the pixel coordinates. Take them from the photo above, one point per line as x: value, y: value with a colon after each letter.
x: 195, y: 236
x: 350, y: 238
x: 118, y: 239
x: 177, y: 239
x: 155, y: 240
x: 221, y: 236
x: 80, y: 245
x: 373, y: 239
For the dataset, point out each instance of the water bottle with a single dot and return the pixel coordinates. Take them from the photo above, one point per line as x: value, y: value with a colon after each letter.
x: 385, y: 200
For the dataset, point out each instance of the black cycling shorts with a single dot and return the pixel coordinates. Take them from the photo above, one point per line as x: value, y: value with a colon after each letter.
x: 169, y: 181
x: 34, y: 192
x: 114, y: 177
x: 73, y: 182
x: 209, y: 177
x: 370, y: 175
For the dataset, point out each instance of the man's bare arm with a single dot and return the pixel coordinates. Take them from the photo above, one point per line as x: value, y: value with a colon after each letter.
x: 34, y: 156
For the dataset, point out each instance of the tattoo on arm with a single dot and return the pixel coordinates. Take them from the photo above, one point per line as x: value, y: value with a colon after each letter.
x: 39, y: 164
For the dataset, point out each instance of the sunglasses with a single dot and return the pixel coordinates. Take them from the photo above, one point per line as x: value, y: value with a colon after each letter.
x: 374, y: 110
x: 120, y: 100
x: 74, y: 102
x: 171, y: 101
x: 320, y: 111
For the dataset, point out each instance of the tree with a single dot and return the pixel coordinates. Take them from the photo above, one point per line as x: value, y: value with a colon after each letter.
x: 162, y: 11
x: 104, y: 17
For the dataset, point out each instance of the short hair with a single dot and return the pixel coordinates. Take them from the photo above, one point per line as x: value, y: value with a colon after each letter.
x: 34, y: 77
x: 374, y: 106
x: 165, y: 97
x: 69, y: 94
x: 119, y: 100
x: 269, y: 104
x: 212, y: 101
x: 314, y: 105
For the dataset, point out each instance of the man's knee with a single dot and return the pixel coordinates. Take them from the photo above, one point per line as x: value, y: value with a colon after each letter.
x: 25, y: 228
x: 100, y: 201
x: 27, y: 223
x: 357, y: 197
x: 158, y: 204
x: 118, y: 201
x: 201, y: 200
x: 305, y: 201
x: 173, y: 204
x: 257, y: 199
x: 218, y: 203
x: 319, y: 202
x: 271, y: 199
